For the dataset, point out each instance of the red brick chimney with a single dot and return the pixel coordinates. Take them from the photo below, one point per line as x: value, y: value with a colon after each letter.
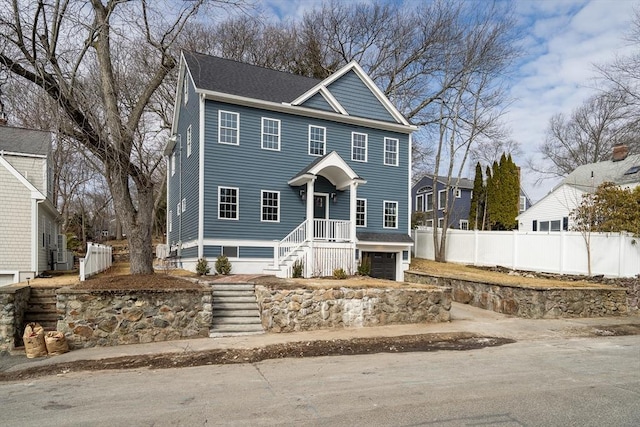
x: 620, y: 152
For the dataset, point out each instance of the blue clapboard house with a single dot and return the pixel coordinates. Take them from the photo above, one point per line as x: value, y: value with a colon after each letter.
x: 271, y: 169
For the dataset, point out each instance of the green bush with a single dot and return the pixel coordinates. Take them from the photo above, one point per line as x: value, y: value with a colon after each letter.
x: 364, y: 268
x: 298, y: 268
x: 339, y: 273
x: 202, y: 267
x: 223, y: 266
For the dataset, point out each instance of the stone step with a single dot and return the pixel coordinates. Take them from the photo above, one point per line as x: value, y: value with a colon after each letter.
x: 220, y: 294
x: 41, y: 307
x: 231, y: 330
x: 240, y: 320
x: 234, y: 300
x: 40, y: 317
x: 233, y: 287
x: 224, y: 305
x: 235, y: 313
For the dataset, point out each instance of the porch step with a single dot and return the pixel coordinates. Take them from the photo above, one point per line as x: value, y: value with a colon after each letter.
x: 235, y: 310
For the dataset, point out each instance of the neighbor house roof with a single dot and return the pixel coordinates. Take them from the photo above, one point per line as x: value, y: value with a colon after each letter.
x: 27, y: 141
x: 463, y: 183
x: 590, y: 176
x: 251, y: 81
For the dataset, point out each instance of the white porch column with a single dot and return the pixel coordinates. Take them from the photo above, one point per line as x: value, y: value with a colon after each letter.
x: 353, y: 196
x: 310, y: 225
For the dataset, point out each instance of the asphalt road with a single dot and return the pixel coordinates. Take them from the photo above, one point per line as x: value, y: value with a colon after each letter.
x: 551, y: 382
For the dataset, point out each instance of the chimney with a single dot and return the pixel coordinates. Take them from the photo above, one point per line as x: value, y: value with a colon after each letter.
x: 620, y: 152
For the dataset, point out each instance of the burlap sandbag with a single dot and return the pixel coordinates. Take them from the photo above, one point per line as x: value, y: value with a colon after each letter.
x: 56, y: 343
x: 33, y: 339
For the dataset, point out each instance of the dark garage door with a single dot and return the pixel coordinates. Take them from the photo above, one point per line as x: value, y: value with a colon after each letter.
x: 383, y: 264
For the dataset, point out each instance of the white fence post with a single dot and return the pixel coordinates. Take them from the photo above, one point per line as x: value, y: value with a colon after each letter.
x: 97, y: 259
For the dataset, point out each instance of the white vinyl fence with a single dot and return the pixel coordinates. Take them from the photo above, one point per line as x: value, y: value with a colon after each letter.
x: 612, y: 254
x: 97, y: 259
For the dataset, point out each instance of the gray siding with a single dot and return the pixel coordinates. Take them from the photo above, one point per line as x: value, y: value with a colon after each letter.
x: 318, y: 102
x: 251, y: 169
x: 357, y: 99
x: 32, y: 168
x: 185, y: 181
x: 15, y: 223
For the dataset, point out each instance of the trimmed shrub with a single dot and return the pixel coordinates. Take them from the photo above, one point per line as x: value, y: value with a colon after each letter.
x: 223, y: 265
x: 202, y: 267
x: 364, y: 268
x: 339, y: 273
x: 298, y: 269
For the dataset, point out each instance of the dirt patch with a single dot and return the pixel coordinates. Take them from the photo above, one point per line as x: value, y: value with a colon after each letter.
x: 137, y: 282
x: 401, y: 344
x: 615, y: 330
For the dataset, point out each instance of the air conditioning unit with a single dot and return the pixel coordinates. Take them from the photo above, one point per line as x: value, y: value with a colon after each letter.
x: 61, y: 253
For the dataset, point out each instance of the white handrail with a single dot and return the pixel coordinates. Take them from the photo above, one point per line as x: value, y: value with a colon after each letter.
x: 292, y: 241
x: 332, y: 229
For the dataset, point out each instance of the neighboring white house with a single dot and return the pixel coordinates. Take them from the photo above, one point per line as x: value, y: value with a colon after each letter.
x: 29, y: 222
x: 552, y: 212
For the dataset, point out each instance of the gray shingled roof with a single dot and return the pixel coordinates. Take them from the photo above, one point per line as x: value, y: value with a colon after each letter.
x: 237, y: 78
x: 464, y: 182
x: 28, y: 141
x: 384, y: 237
x: 608, y: 170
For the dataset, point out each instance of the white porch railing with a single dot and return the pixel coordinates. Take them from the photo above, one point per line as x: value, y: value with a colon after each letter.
x: 290, y: 243
x: 332, y: 230
x: 97, y: 259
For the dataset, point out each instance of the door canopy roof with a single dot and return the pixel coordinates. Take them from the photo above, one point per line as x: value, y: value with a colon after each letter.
x: 332, y: 167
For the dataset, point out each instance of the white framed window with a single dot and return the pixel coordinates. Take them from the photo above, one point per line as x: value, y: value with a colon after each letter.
x: 440, y: 222
x: 429, y: 223
x: 228, y: 205
x: 228, y: 127
x: 464, y: 224
x: 178, y: 209
x: 270, y: 134
x: 189, y: 141
x: 390, y: 214
x: 317, y: 140
x: 170, y: 226
x: 185, y: 89
x: 458, y: 193
x: 361, y: 212
x: 544, y: 225
x: 173, y: 164
x: 523, y: 203
x: 428, y: 202
x: 184, y: 205
x: 270, y: 206
x: 442, y: 199
x: 391, y: 151
x: 555, y: 225
x: 230, y: 251
x: 359, y: 143
x: 419, y: 203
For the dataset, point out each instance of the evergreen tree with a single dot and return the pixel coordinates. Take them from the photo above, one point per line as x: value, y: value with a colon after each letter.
x: 503, y: 194
x: 488, y: 188
x: 476, y: 212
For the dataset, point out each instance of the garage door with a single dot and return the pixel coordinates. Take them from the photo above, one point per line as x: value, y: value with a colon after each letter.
x: 383, y: 264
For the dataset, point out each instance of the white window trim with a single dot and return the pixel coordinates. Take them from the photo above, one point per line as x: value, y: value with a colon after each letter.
x: 262, y: 206
x: 173, y: 163
x: 324, y: 141
x: 184, y: 205
x: 185, y: 89
x: 384, y: 206
x: 429, y: 223
x: 262, y: 134
x: 365, y: 212
x: 418, y: 198
x: 440, y: 222
x: 178, y: 210
x: 464, y: 221
x: 397, y: 152
x: 366, y: 146
x: 220, y: 112
x: 189, y: 141
x: 442, y: 200
x: 523, y: 204
x: 426, y: 205
x: 237, y: 202
x: 170, y: 221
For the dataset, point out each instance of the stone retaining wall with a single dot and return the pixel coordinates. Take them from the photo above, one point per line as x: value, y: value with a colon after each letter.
x: 13, y: 304
x: 106, y: 318
x: 532, y: 302
x: 309, y: 309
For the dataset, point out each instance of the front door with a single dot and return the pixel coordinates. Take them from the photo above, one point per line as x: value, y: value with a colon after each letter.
x: 320, y: 213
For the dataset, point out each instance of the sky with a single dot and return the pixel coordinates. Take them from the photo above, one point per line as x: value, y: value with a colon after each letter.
x: 562, y: 41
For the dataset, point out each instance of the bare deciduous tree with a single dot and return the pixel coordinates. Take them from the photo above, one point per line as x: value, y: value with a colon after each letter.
x: 102, y: 63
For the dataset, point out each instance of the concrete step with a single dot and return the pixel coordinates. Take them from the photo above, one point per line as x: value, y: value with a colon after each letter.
x: 235, y: 313
x: 233, y: 299
x: 240, y: 320
x: 234, y: 304
x: 225, y: 294
x: 233, y: 287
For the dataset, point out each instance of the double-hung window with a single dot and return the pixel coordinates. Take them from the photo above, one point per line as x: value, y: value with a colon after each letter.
x: 170, y: 221
x: 419, y: 207
x: 270, y: 134
x: 228, y: 127
x: 358, y: 147
x: 189, y: 141
x: 428, y: 199
x: 390, y: 214
x: 361, y: 212
x: 391, y: 152
x: 270, y: 206
x: 227, y: 203
x: 317, y: 140
x: 442, y: 199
